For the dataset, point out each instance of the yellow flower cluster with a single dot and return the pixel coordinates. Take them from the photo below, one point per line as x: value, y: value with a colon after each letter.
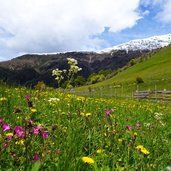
x: 3, y: 99
x: 20, y: 142
x: 33, y: 110
x: 142, y: 149
x: 9, y: 134
x: 88, y: 160
x: 99, y: 151
x: 85, y: 114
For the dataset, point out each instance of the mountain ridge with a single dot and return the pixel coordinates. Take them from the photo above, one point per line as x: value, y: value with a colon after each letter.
x: 38, y: 67
x: 150, y: 43
x: 41, y: 66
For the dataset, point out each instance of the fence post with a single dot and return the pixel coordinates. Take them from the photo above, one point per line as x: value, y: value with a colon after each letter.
x: 110, y: 91
x: 155, y: 89
x: 137, y: 87
x: 101, y: 93
x: 115, y: 92
x: 122, y: 91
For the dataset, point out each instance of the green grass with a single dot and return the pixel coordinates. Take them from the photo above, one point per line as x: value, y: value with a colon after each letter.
x: 78, y: 127
x: 50, y: 130
x: 156, y: 71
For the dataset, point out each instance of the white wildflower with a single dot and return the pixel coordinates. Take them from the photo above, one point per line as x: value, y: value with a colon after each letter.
x: 158, y: 116
x: 168, y: 168
x: 72, y: 61
x: 147, y: 125
x: 69, y: 75
x: 54, y: 99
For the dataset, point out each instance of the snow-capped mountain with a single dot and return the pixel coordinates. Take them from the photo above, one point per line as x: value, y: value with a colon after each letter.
x: 150, y: 43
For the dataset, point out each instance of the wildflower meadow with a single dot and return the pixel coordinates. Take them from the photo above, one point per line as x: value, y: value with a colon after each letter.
x: 57, y: 131
x: 50, y: 130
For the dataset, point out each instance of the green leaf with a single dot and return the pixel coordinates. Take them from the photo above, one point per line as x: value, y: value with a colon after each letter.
x: 36, y: 166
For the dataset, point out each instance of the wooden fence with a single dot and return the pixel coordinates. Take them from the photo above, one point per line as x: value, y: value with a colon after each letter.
x: 164, y: 95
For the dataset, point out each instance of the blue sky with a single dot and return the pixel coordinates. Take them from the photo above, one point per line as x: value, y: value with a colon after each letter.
x: 47, y: 26
x: 149, y: 25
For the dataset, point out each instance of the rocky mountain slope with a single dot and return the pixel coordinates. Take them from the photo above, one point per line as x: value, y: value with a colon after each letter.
x: 31, y: 68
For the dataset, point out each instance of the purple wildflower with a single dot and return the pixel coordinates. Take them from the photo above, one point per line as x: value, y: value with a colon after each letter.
x: 36, y: 157
x: 108, y: 112
x: 138, y: 124
x: 6, y: 127
x: 30, y: 122
x: 45, y: 134
x: 129, y: 127
x: 37, y: 129
x: 27, y: 98
x: 6, y: 145
x: 29, y: 102
x: 9, y: 137
x: 19, y: 131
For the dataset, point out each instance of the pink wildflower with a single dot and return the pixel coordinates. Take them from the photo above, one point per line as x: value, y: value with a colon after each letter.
x: 45, y: 134
x: 37, y: 129
x: 19, y: 131
x: 109, y: 111
x: 36, y: 157
x: 6, y: 127
x: 9, y: 136
x: 138, y: 124
x: 6, y: 145
x: 30, y: 122
x: 129, y: 127
x: 27, y: 97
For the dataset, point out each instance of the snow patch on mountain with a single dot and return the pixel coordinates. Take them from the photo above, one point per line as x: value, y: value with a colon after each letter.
x: 150, y: 43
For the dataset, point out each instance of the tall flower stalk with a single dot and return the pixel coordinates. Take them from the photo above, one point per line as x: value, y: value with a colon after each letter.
x: 73, y: 69
x: 58, y: 75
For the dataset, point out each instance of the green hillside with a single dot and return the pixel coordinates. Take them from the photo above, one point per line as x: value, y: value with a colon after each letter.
x: 155, y: 72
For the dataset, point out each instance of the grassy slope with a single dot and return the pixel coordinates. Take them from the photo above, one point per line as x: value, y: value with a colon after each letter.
x: 154, y: 71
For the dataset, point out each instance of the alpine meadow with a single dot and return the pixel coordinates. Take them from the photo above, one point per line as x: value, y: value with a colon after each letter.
x: 85, y: 85
x: 51, y: 129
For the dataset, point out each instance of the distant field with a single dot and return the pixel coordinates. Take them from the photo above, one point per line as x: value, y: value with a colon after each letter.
x: 155, y: 72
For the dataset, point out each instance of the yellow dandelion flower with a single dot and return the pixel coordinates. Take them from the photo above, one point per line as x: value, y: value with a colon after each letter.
x: 33, y: 110
x: 139, y: 147
x: 87, y: 114
x: 88, y: 160
x: 82, y: 114
x: 142, y: 149
x: 119, y: 140
x: 3, y: 99
x: 145, y: 151
x: 135, y: 134
x: 99, y: 151
x: 21, y: 142
x: 9, y: 134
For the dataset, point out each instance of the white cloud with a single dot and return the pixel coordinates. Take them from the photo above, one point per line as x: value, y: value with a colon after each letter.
x: 146, y: 12
x: 62, y: 25
x: 165, y: 14
x: 163, y: 6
